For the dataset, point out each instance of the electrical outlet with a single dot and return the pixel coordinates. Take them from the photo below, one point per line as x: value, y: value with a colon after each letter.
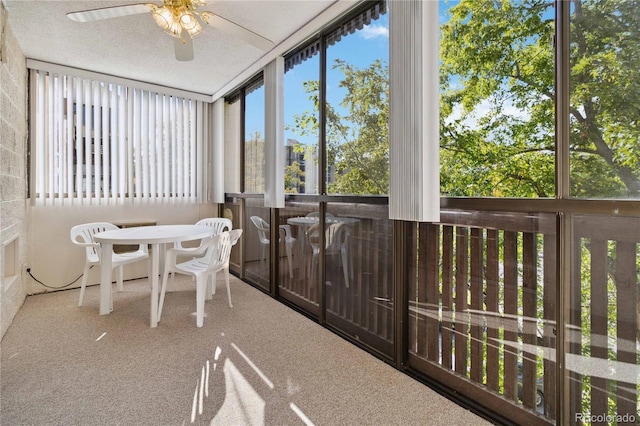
x: 24, y: 270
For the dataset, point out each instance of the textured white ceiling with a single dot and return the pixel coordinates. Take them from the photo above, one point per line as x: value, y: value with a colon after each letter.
x: 135, y: 47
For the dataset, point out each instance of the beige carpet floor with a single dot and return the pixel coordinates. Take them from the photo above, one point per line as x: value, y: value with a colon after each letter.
x: 258, y: 363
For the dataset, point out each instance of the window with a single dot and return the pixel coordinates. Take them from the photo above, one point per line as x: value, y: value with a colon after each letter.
x: 357, y: 105
x: 96, y: 142
x: 356, y: 111
x: 497, y: 110
x: 254, y: 160
x: 605, y: 100
x: 301, y: 113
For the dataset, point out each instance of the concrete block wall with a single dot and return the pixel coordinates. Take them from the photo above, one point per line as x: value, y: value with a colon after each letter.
x: 13, y: 184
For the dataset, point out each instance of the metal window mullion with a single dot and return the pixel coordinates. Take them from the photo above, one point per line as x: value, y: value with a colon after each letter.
x: 322, y: 172
x: 562, y: 100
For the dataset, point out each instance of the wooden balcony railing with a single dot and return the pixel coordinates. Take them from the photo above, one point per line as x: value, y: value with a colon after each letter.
x: 481, y: 304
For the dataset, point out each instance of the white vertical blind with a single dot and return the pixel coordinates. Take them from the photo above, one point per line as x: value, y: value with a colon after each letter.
x: 414, y: 143
x: 201, y: 151
x: 274, y: 133
x: 101, y: 143
x: 218, y: 153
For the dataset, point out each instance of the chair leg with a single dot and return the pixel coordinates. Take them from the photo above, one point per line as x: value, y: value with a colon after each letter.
x: 345, y: 267
x: 314, y: 268
x: 226, y: 278
x: 262, y: 259
x: 201, y: 284
x: 214, y: 283
x: 85, y: 277
x: 288, y: 248
x: 120, y: 276
x: 163, y: 290
x: 210, y: 286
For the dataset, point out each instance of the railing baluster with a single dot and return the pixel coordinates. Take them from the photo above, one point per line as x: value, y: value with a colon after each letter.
x: 549, y: 315
x: 529, y: 310
x: 493, y: 330
x: 432, y: 289
x: 462, y: 303
x: 599, y: 332
x: 627, y: 294
x: 510, y: 321
x: 447, y: 302
x: 477, y: 295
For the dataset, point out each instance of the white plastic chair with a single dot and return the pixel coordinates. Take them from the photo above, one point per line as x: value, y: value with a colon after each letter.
x: 82, y: 235
x: 336, y: 242
x: 263, y: 236
x: 211, y: 257
x: 219, y: 225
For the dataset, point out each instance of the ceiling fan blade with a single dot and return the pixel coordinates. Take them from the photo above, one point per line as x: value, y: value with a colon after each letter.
x: 108, y: 12
x: 183, y: 48
x: 238, y: 31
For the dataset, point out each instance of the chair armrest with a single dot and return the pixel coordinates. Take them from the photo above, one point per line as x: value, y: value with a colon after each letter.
x: 78, y: 243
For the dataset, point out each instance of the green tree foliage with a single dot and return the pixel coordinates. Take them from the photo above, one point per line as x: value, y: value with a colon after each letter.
x: 293, y: 177
x: 357, y: 139
x: 497, y: 82
x: 497, y: 104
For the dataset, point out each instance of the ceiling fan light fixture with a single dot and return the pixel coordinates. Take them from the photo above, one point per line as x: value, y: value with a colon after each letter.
x: 187, y: 19
x: 189, y: 22
x: 174, y: 17
x: 162, y: 16
x: 194, y: 31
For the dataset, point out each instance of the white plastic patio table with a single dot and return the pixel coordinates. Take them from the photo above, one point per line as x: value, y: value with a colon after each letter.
x: 156, y: 236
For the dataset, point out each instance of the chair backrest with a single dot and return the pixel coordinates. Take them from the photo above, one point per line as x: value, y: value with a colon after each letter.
x: 263, y: 228
x: 82, y: 235
x: 335, y: 236
x: 219, y: 224
x: 219, y: 248
x: 235, y: 235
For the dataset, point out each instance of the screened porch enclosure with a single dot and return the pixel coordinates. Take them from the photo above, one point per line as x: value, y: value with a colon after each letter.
x: 521, y: 301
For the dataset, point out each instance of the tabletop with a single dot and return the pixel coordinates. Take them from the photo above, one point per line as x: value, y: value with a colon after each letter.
x: 311, y: 220
x: 154, y: 234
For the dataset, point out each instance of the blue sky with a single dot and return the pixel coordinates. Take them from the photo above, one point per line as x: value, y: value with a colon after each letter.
x: 360, y: 49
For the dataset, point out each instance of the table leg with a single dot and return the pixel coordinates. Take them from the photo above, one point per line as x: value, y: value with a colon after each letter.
x: 106, y: 267
x: 155, y: 270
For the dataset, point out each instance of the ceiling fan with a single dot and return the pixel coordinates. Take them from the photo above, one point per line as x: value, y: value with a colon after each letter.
x: 180, y: 19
